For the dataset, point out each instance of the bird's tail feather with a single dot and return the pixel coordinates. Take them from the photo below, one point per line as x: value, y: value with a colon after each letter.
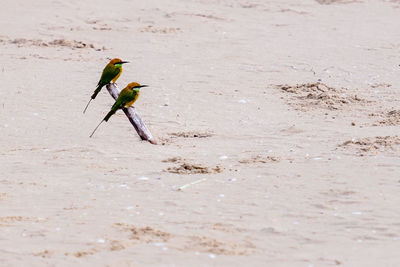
x: 97, y: 91
x: 108, y: 116
x: 87, y: 105
x: 95, y: 129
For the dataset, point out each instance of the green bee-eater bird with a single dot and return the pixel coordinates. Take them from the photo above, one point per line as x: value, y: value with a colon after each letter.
x: 125, y: 99
x: 110, y: 73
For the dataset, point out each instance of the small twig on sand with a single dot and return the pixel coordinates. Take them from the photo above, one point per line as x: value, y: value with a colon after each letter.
x: 189, y: 184
x: 133, y: 116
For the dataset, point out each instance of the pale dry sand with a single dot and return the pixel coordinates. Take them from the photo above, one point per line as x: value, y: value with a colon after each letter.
x: 291, y: 172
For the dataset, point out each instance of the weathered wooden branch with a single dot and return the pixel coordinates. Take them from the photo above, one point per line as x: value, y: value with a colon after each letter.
x: 133, y: 116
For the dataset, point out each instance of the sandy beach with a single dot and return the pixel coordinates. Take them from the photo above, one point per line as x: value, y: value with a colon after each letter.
x: 277, y: 122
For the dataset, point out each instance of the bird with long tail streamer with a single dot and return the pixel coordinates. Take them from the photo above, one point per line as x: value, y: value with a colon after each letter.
x: 125, y: 99
x: 111, y: 73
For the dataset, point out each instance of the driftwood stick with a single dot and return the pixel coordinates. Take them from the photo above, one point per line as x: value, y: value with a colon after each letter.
x: 133, y: 116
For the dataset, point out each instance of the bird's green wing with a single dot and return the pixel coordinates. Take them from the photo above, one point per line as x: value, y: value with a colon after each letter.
x: 109, y: 73
x: 124, y: 97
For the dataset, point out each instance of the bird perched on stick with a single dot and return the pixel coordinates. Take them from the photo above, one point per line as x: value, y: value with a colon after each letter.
x: 110, y: 73
x: 125, y: 99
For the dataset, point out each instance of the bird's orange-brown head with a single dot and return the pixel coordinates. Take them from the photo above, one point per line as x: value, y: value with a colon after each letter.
x: 135, y: 86
x: 117, y: 62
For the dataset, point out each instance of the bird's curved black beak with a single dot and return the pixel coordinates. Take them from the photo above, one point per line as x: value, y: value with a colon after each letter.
x: 123, y: 62
x: 142, y: 86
